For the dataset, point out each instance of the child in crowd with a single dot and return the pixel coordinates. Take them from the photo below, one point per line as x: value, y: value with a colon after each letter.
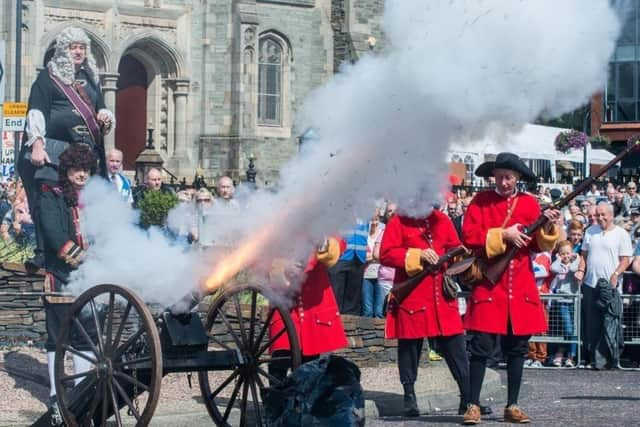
x: 575, y: 233
x: 566, y: 264
x: 537, y: 355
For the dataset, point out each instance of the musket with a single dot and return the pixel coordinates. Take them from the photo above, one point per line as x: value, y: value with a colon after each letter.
x: 402, y: 290
x: 493, y: 271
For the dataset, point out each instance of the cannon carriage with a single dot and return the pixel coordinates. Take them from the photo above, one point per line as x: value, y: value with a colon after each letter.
x: 129, y: 349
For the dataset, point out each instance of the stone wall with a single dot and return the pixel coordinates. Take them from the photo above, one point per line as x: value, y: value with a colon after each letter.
x: 22, y: 322
x: 21, y: 317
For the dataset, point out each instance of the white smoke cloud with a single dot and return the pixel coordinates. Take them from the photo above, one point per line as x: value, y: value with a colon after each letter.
x: 452, y: 71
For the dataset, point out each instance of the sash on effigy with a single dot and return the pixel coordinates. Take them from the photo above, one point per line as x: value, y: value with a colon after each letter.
x: 86, y: 111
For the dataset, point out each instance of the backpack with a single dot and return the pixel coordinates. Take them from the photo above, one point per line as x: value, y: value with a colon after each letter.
x: 323, y: 392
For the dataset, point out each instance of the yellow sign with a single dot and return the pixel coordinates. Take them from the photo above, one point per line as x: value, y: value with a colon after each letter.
x: 14, y: 109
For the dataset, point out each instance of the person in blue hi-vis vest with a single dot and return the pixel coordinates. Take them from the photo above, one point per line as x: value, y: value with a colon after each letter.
x: 346, y: 276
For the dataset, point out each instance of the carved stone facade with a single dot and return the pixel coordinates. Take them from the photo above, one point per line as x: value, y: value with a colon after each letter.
x: 210, y: 97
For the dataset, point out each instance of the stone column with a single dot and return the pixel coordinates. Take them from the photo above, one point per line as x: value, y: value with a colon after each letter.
x: 179, y: 163
x: 180, y: 94
x: 109, y: 87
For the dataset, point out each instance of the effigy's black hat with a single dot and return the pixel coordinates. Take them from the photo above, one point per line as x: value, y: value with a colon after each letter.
x: 506, y: 161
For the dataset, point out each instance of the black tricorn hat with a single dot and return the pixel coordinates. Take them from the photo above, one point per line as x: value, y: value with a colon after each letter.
x: 506, y: 161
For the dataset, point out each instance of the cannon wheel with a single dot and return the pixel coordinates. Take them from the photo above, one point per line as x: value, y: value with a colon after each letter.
x: 127, y: 341
x: 237, y: 320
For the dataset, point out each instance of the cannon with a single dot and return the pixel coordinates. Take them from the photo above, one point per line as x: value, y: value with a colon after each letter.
x: 130, y: 349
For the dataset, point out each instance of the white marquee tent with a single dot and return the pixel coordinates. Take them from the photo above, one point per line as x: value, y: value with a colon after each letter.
x: 532, y: 142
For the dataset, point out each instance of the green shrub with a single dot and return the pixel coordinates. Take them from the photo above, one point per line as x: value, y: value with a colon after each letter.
x: 155, y: 206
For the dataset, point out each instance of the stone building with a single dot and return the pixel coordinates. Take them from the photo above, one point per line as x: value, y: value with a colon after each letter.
x: 217, y: 80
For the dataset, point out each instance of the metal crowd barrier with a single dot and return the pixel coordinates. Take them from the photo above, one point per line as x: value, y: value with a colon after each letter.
x: 563, y: 314
x: 563, y: 307
x: 631, y: 329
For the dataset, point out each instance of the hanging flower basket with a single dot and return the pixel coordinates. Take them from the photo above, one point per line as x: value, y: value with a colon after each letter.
x: 571, y: 140
x: 600, y: 142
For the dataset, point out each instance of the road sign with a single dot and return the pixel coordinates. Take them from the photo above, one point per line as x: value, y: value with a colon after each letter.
x: 14, y: 116
x: 8, y: 147
x: 14, y: 109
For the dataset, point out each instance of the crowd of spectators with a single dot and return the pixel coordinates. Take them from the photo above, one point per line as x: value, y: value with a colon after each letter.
x: 17, y: 231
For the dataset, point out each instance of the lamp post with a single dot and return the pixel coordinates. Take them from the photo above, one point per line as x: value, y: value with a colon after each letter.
x: 150, y: 137
x: 585, y: 149
x: 251, y: 170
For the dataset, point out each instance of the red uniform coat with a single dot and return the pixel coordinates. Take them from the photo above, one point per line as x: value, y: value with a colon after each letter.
x: 515, y: 297
x: 425, y: 312
x: 315, y: 314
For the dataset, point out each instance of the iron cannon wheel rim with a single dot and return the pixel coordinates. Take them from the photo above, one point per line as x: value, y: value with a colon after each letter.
x: 107, y: 350
x: 249, y: 379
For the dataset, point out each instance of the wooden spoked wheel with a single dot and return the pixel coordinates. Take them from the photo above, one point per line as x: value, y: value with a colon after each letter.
x: 110, y: 331
x: 243, y: 319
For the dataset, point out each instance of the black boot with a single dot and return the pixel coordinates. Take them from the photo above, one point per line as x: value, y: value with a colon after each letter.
x: 410, y: 401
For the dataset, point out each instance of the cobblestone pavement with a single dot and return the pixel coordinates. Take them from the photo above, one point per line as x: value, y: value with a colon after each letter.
x: 558, y: 398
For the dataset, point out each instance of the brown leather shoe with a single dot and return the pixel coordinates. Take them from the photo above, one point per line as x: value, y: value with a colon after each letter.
x: 513, y: 414
x: 472, y: 415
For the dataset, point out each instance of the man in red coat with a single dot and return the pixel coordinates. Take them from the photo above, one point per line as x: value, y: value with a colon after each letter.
x: 315, y: 312
x: 408, y: 245
x: 511, y: 309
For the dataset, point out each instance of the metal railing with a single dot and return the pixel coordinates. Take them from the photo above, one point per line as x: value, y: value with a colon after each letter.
x: 631, y: 327
x: 563, y: 333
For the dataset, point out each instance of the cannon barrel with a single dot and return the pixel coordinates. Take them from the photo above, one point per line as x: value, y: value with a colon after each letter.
x: 185, y: 304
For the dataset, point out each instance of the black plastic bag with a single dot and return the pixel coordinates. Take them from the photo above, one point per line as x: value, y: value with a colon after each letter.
x: 323, y: 392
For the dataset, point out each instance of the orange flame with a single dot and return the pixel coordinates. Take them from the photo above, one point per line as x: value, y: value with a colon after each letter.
x: 240, y: 258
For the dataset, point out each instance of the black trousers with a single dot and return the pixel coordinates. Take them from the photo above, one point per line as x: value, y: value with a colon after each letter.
x: 452, y: 348
x: 482, y: 347
x: 346, y: 280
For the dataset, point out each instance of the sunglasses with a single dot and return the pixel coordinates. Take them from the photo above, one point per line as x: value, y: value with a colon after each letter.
x: 203, y: 200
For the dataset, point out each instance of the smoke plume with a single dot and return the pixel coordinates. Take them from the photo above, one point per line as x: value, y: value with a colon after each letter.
x: 451, y: 71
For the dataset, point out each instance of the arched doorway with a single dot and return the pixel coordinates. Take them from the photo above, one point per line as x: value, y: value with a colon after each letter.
x: 131, y: 109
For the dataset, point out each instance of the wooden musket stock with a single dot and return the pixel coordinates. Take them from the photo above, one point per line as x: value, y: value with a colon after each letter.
x: 402, y: 290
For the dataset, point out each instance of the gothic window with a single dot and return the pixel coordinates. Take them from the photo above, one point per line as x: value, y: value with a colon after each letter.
x: 270, y: 62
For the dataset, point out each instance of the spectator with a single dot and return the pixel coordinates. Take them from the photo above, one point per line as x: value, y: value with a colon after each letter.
x: 152, y: 182
x: 116, y: 177
x: 346, y: 276
x: 389, y: 212
x: 632, y: 198
x: 619, y: 207
x: 541, y: 263
x: 607, y: 250
x: 205, y: 227
x: 372, y: 293
x: 455, y: 214
x: 634, y: 220
x: 611, y: 194
x: 225, y: 189
x: 593, y: 191
x: 591, y: 216
x: 575, y: 234
x: 566, y: 264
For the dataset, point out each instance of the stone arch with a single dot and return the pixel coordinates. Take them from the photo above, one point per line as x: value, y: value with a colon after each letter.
x: 281, y: 38
x: 167, y: 60
x: 99, y: 48
x: 165, y: 70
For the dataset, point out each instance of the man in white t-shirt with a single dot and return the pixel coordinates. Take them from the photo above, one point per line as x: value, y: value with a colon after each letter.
x: 607, y: 250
